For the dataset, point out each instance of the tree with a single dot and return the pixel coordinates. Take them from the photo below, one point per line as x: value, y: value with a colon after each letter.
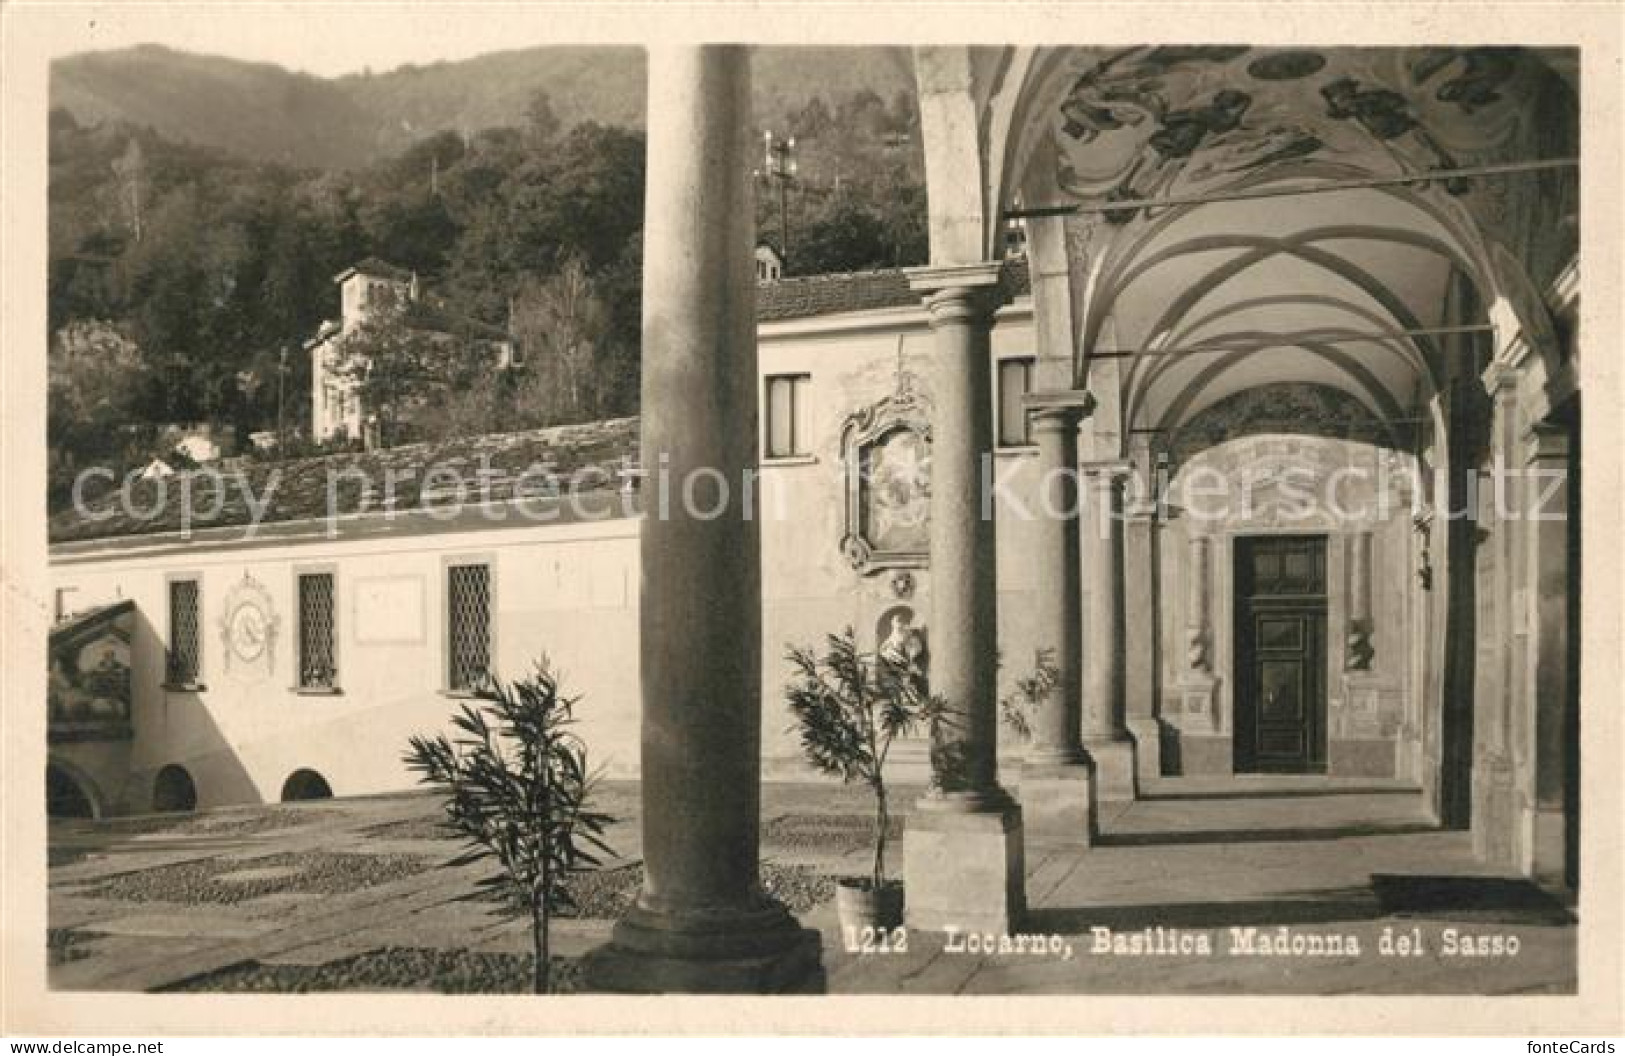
x: 541, y: 123
x: 395, y: 367
x: 847, y: 237
x: 517, y: 788
x: 95, y: 378
x: 562, y: 325
x: 132, y: 172
x: 850, y: 707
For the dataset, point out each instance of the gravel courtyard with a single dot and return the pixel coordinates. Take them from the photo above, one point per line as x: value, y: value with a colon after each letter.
x: 356, y: 895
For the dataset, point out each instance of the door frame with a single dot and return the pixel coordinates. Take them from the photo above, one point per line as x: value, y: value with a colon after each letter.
x: 1241, y: 612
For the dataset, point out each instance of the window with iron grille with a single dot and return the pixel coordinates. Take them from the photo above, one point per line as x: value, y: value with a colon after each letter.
x: 184, y: 660
x: 317, y: 666
x: 468, y: 626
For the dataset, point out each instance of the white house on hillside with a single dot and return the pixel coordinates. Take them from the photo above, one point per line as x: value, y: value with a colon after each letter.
x: 368, y: 288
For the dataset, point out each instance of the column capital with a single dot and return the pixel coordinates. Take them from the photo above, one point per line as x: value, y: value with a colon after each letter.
x: 1065, y: 407
x: 960, y: 292
x: 1500, y: 380
x: 1107, y: 472
x: 1546, y: 442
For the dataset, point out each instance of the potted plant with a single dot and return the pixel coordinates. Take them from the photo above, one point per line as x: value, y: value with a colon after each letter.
x: 516, y: 787
x: 850, y: 708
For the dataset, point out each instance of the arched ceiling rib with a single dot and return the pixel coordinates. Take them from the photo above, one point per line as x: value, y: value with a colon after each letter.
x: 1289, y: 285
x: 1308, y: 287
x: 1322, y: 285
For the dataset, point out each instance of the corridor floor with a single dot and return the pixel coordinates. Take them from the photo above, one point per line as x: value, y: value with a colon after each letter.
x: 1204, y: 862
x: 295, y: 896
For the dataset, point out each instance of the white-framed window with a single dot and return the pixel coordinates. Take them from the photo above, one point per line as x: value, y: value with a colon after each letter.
x: 785, y: 435
x: 184, y: 658
x: 1015, y: 382
x: 318, y: 627
x: 468, y: 626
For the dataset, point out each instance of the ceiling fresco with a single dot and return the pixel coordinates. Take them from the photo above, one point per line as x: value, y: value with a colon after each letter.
x: 1157, y: 121
x: 1306, y: 288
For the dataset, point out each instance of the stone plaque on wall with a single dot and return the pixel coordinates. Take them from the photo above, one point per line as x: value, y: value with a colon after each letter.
x: 389, y: 610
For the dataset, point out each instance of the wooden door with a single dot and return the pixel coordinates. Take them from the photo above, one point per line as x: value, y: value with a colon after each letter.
x: 1281, y: 654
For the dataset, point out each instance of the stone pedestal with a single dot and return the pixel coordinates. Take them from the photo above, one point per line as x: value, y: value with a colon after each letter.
x: 962, y: 849
x: 1548, y: 846
x: 1113, y: 761
x: 1494, y: 812
x: 1145, y: 731
x: 702, y: 923
x: 964, y: 870
x: 1059, y: 803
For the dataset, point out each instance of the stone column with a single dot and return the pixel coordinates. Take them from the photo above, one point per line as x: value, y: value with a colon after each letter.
x: 1551, y: 585
x: 1198, y: 633
x: 1358, y: 652
x: 1198, y: 688
x: 1105, y: 735
x: 701, y: 922
x: 962, y: 849
x: 1494, y: 824
x: 1141, y: 594
x: 1057, y: 791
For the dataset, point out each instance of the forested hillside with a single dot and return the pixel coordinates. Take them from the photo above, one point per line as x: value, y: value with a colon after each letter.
x: 266, y: 113
x: 184, y: 279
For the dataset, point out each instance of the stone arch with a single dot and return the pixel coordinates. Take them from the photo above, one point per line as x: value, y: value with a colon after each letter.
x: 305, y: 784
x: 69, y: 792
x: 173, y: 790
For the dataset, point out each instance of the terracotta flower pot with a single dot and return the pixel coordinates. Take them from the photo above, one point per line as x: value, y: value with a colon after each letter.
x: 860, y: 905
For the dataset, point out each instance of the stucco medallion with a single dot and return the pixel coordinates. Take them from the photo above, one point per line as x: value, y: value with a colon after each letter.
x: 248, y: 628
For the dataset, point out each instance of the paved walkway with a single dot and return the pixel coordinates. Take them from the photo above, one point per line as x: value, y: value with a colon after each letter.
x: 145, y: 904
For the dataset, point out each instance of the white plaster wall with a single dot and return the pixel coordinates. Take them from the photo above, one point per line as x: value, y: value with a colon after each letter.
x: 562, y: 591
x: 569, y: 591
x: 808, y: 588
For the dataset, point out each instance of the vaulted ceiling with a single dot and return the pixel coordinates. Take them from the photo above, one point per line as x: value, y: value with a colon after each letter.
x: 1302, y: 287
x: 1238, y: 294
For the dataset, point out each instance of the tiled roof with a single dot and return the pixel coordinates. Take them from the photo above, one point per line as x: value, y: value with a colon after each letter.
x: 435, y: 315
x: 82, y: 627
x: 591, y: 454
x: 851, y: 291
x: 381, y: 268
x: 502, y: 467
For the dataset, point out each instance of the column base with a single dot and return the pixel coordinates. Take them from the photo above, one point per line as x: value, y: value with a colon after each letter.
x: 1058, y: 803
x: 765, y: 952
x: 1114, y: 769
x: 964, y: 870
x: 1494, y: 814
x: 1548, y: 840
x: 1147, y: 734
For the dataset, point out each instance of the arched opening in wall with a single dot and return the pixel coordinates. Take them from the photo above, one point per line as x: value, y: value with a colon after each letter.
x: 173, y: 790
x: 65, y: 797
x: 1269, y: 248
x: 305, y: 784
